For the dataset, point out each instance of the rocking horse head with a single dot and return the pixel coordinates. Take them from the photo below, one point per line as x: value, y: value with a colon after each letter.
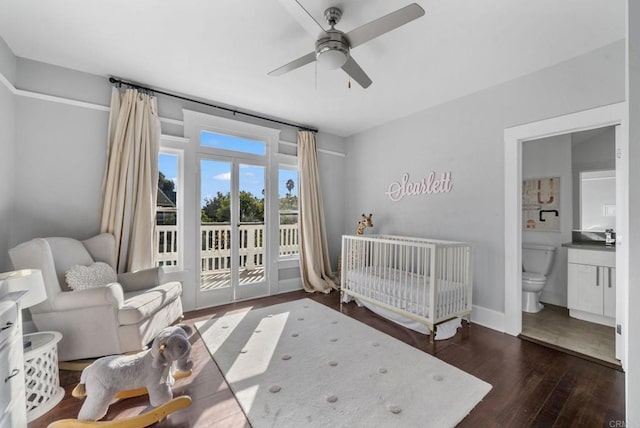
x: 365, y: 222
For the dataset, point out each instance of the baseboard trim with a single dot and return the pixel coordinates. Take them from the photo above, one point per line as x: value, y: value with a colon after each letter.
x: 287, y: 285
x: 488, y: 318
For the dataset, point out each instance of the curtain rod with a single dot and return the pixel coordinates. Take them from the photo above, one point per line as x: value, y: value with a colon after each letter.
x: 116, y: 81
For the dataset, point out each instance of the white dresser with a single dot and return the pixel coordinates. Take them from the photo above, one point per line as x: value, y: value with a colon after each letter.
x: 13, y: 411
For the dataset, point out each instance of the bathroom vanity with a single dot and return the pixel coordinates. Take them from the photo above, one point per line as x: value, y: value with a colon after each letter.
x: 592, y: 282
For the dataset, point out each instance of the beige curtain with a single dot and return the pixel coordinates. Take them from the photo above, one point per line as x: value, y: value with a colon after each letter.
x: 131, y: 177
x: 315, y: 265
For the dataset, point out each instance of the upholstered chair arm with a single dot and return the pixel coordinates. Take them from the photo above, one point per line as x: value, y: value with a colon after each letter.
x: 110, y: 294
x: 142, y: 279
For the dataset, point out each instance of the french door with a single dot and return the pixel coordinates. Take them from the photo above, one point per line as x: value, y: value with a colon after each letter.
x: 232, y: 233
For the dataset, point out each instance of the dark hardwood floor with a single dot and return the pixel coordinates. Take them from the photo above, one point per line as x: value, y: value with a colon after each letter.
x: 532, y: 385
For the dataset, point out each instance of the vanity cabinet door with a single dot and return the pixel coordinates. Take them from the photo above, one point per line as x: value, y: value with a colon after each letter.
x: 585, y: 284
x: 609, y: 277
x: 591, y: 286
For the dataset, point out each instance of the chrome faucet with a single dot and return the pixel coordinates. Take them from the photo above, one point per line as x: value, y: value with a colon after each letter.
x: 608, y: 237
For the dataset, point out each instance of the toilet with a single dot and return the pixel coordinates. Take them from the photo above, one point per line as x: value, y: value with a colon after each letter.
x: 537, y: 261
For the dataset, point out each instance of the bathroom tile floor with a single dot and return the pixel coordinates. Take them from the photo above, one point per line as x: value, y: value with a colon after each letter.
x: 554, y: 327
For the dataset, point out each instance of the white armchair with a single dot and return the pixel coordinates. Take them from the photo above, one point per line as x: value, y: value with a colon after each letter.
x: 116, y: 318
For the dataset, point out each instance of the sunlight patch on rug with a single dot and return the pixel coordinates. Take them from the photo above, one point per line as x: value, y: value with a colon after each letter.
x: 301, y: 363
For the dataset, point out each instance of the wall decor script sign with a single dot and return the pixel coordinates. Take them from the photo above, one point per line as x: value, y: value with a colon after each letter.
x: 426, y: 186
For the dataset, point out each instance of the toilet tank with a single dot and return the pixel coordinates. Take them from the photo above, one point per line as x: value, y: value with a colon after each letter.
x: 537, y: 258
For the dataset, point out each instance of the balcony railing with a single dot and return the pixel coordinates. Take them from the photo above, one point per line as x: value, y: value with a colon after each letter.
x: 215, y: 245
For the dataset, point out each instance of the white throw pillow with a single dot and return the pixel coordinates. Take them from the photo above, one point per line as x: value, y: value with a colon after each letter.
x: 84, y: 277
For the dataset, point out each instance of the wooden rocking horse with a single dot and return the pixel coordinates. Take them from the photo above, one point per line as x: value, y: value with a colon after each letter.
x: 148, y: 372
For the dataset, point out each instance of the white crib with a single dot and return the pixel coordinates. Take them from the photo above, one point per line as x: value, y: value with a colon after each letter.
x: 424, y: 280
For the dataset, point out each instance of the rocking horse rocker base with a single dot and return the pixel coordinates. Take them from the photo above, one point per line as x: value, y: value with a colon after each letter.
x: 139, y: 421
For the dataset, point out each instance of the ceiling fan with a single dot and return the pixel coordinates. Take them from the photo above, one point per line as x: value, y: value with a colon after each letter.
x: 333, y: 47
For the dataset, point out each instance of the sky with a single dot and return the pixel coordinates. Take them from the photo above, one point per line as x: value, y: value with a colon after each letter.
x: 216, y: 175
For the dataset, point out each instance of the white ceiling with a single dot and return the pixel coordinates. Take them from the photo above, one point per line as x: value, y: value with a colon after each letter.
x: 221, y: 50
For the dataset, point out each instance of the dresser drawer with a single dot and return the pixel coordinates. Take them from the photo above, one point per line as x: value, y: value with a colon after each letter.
x: 9, y: 325
x: 13, y: 407
x: 11, y: 372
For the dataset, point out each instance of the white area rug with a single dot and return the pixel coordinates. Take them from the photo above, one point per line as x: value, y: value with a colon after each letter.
x: 302, y: 364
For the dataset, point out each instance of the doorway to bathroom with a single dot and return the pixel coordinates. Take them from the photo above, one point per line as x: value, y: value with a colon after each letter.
x: 530, y: 154
x: 569, y: 205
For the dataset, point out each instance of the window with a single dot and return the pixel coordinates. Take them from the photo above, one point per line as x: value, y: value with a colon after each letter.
x: 167, y: 213
x: 236, y: 144
x: 288, y: 210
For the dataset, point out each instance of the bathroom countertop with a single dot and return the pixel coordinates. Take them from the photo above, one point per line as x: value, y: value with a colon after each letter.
x: 595, y: 246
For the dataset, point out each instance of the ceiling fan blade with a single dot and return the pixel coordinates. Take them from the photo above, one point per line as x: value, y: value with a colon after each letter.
x: 303, y: 17
x: 296, y: 63
x: 384, y: 24
x: 352, y: 68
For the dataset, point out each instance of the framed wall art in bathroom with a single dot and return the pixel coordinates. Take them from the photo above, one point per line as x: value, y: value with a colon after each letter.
x: 541, y: 204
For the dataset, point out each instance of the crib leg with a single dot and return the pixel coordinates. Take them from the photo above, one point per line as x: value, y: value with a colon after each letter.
x: 432, y: 339
x: 466, y: 329
x: 341, y: 296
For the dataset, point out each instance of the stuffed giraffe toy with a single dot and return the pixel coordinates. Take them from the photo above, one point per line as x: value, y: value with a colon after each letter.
x: 365, y: 221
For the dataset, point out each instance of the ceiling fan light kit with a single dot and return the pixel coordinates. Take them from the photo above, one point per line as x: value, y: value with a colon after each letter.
x: 332, y: 51
x: 333, y: 47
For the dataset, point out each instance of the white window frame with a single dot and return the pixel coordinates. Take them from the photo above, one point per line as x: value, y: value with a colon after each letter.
x: 172, y: 146
x: 288, y: 162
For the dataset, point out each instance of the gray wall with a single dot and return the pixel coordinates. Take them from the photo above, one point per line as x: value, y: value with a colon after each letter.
x: 332, y: 179
x: 61, y: 150
x: 551, y: 157
x: 7, y: 62
x: 466, y: 137
x: 7, y: 137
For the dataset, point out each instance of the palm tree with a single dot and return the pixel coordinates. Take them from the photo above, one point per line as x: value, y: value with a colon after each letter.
x: 290, y: 184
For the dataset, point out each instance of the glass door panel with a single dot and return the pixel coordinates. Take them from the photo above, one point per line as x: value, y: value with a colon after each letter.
x: 251, y: 228
x: 215, y: 225
x: 233, y: 245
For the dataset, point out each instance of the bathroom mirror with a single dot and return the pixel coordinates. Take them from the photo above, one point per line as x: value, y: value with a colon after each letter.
x: 598, y: 200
